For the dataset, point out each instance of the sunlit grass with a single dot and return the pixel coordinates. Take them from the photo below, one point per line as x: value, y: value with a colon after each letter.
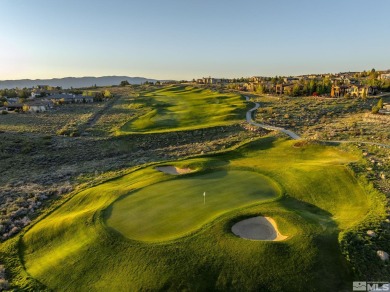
x: 74, y: 249
x: 179, y: 206
x: 183, y: 108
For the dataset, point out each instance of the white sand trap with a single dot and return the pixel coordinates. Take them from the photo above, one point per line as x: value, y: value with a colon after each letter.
x: 169, y: 169
x: 258, y: 228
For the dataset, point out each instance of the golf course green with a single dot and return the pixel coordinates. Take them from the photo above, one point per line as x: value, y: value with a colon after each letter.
x: 180, y: 207
x: 184, y: 108
x: 149, y: 230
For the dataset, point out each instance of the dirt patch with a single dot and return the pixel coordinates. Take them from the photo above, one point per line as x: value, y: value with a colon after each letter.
x: 173, y: 170
x: 258, y: 228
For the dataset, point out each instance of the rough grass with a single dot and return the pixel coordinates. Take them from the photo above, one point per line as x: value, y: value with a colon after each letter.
x: 73, y: 249
x: 51, y: 121
x: 183, y: 108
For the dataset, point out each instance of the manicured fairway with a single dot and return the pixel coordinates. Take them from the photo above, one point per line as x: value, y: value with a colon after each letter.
x: 76, y: 248
x: 178, y: 205
x: 180, y: 107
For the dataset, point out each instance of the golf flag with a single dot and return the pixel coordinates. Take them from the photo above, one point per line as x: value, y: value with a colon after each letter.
x: 204, y: 197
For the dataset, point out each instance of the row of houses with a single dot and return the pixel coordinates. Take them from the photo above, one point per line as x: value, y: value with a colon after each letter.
x: 353, y: 90
x: 281, y: 88
x: 346, y: 78
x: 336, y: 91
x: 71, y: 98
x: 33, y: 106
x: 287, y: 88
x: 284, y: 88
x: 210, y: 80
x: 42, y: 105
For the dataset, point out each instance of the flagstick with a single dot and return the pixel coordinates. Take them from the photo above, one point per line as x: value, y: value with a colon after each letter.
x: 204, y: 198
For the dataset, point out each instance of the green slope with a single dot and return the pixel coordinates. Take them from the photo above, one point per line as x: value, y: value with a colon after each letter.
x: 183, y: 108
x: 73, y: 248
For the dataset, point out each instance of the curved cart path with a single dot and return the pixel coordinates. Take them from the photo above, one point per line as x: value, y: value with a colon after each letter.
x: 293, y: 135
x: 267, y: 127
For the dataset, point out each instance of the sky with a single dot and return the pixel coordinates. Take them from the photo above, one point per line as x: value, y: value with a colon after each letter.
x: 185, y: 39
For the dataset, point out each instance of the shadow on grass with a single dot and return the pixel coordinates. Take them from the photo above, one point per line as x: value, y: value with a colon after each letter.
x: 325, y: 240
x: 260, y: 144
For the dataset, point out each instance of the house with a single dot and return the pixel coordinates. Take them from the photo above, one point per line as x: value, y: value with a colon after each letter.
x: 279, y: 88
x: 250, y: 86
x: 210, y: 80
x: 288, y: 89
x: 12, y: 100
x: 269, y: 86
x: 386, y: 109
x: 372, y: 90
x: 36, y: 93
x: 363, y: 91
x: 83, y: 99
x: 339, y: 91
x: 256, y: 79
x: 62, y: 98
x: 71, y: 98
x: 78, y: 98
x: 89, y: 99
x: 14, y: 107
x: 42, y: 86
x: 354, y: 90
x: 347, y: 81
x: 337, y: 80
x: 302, y: 78
x: 385, y: 76
x: 284, y: 88
x: 37, y: 107
x: 290, y: 79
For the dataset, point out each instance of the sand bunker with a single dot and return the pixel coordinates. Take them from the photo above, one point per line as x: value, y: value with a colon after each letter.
x: 169, y: 169
x: 258, y: 228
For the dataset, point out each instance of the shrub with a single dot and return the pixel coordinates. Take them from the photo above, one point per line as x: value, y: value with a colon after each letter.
x: 62, y: 131
x: 380, y: 103
x: 375, y: 109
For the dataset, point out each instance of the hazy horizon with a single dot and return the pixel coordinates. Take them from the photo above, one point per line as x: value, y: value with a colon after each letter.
x: 189, y: 79
x: 185, y: 40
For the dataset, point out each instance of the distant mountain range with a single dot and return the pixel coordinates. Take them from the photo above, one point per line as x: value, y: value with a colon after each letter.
x: 75, y: 82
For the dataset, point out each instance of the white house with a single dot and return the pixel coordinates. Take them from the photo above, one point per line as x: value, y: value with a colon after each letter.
x: 385, y: 76
x: 35, y: 94
x: 37, y: 107
x: 71, y: 98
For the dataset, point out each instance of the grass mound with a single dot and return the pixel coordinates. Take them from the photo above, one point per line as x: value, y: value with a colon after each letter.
x: 183, y: 108
x: 73, y: 248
